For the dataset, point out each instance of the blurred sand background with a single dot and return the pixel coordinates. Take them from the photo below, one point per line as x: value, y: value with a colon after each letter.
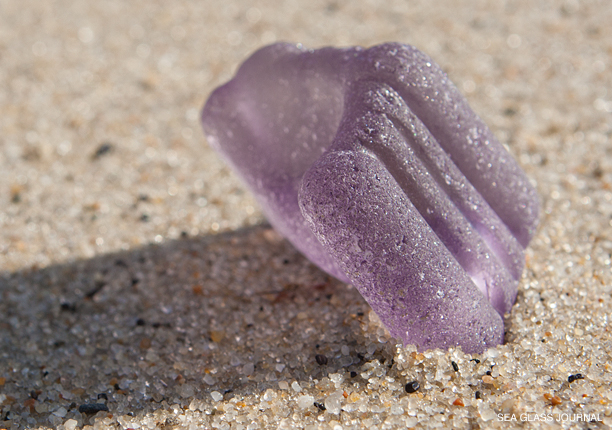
x: 140, y: 286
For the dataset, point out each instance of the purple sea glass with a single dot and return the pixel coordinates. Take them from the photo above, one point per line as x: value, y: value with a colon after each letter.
x: 373, y: 165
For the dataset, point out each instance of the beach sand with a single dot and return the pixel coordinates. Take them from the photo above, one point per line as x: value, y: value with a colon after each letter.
x: 141, y: 286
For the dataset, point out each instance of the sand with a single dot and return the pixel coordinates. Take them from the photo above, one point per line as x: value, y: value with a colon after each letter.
x: 141, y: 286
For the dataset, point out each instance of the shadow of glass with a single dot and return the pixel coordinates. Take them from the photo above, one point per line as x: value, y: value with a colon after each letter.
x: 229, y: 314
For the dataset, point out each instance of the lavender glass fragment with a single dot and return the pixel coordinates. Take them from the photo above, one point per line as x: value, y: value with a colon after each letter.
x: 373, y: 165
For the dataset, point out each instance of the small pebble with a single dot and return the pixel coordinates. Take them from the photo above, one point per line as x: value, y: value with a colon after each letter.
x: 92, y: 408
x: 333, y: 402
x: 217, y: 335
x: 320, y: 406
x: 103, y: 149
x: 70, y: 424
x: 145, y: 343
x: 60, y: 412
x: 321, y: 359
x: 458, y: 402
x: 305, y: 401
x: 487, y: 379
x: 68, y: 307
x: 15, y: 194
x: 455, y: 366
x: 412, y: 387
x: 556, y: 400
x: 248, y: 369
x: 30, y: 403
x: 575, y: 377
x: 478, y: 395
x: 296, y: 386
